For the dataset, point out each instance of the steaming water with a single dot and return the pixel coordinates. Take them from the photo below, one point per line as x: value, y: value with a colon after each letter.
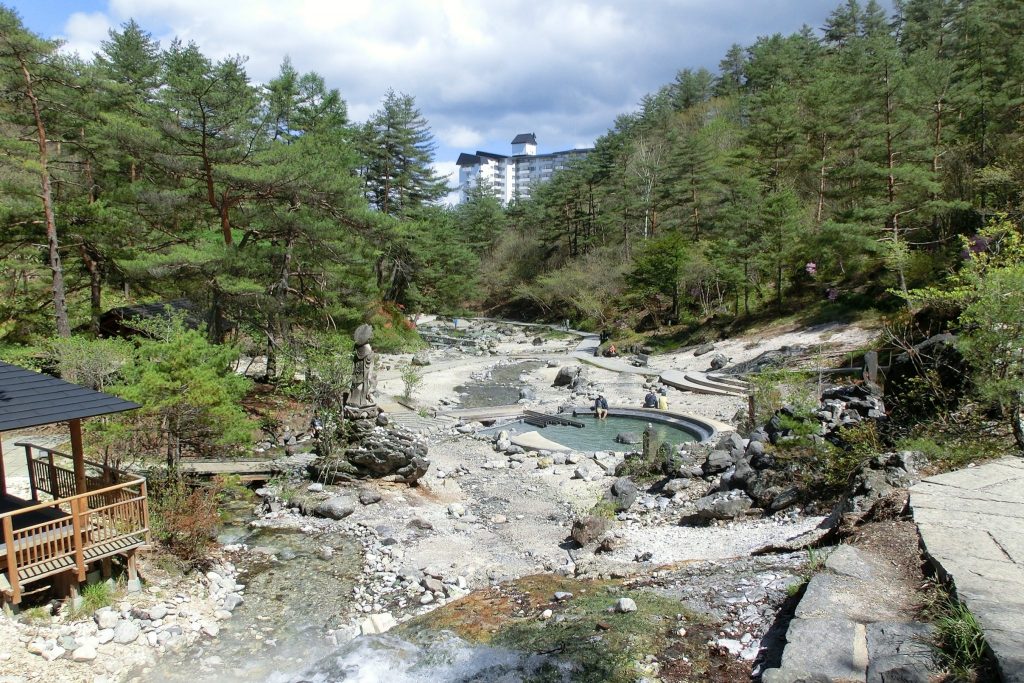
x: 290, y: 604
x: 439, y: 657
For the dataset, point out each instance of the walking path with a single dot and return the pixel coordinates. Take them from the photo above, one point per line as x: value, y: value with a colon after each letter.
x: 972, y: 526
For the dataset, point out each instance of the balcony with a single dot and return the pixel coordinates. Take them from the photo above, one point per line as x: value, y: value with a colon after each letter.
x: 78, y: 512
x: 61, y: 531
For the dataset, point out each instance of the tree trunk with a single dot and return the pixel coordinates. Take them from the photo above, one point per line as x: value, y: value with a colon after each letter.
x: 60, y: 308
x: 95, y: 287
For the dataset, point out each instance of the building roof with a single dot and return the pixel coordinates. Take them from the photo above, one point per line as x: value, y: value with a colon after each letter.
x: 30, y: 399
x: 467, y: 160
x: 525, y: 138
x: 491, y: 155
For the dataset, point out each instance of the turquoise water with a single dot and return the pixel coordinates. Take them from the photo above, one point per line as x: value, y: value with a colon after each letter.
x: 599, y: 435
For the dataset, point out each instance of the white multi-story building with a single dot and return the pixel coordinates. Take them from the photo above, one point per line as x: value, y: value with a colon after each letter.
x: 512, y: 176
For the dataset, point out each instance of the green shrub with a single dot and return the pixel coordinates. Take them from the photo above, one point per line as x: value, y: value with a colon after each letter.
x: 184, y: 516
x: 412, y: 379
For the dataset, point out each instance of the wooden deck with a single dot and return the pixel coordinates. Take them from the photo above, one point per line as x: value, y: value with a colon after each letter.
x: 69, y: 531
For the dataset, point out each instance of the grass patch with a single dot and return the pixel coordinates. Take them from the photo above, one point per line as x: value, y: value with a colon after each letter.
x: 962, y: 649
x: 952, y: 452
x: 94, y: 596
x: 36, y: 616
x: 602, y: 646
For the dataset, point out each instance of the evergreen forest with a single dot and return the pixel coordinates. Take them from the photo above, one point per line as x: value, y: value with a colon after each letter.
x: 872, y: 164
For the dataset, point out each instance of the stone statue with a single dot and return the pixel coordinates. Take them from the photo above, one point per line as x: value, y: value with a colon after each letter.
x: 364, y: 375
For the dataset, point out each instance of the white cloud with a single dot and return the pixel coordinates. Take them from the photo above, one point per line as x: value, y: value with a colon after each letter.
x: 480, y: 72
x: 85, y: 31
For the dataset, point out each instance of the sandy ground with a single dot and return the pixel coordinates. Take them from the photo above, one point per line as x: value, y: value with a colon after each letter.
x: 450, y: 369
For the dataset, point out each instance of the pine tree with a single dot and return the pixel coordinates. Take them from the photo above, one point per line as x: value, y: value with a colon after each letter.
x: 30, y: 73
x: 399, y: 149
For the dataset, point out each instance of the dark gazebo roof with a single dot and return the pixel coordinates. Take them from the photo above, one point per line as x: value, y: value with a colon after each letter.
x: 30, y: 399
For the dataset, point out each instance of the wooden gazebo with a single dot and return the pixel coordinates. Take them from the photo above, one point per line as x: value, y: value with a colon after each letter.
x: 78, y: 513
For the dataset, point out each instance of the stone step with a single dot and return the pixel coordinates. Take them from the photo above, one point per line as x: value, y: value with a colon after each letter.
x: 849, y: 627
x: 712, y: 383
x: 680, y: 380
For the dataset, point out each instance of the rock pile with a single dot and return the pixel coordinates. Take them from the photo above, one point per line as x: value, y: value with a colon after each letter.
x: 748, y: 478
x: 117, y: 637
x: 377, y: 450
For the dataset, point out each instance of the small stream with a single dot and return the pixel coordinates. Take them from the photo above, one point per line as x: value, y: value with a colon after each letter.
x: 500, y: 388
x: 292, y: 598
x: 427, y: 658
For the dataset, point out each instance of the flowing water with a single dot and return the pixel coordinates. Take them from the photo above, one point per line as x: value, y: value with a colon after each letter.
x: 426, y: 658
x: 292, y: 598
x: 500, y: 389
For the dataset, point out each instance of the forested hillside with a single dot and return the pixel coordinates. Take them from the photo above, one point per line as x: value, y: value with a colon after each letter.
x: 844, y: 164
x: 847, y: 164
x: 154, y: 174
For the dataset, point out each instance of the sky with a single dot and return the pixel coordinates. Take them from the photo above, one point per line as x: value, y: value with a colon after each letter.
x: 481, y: 71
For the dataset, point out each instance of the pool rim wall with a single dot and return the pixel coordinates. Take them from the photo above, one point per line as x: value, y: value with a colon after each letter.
x: 702, y: 430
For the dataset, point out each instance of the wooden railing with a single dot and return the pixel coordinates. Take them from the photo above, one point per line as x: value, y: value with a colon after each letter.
x: 47, y: 476
x: 78, y: 525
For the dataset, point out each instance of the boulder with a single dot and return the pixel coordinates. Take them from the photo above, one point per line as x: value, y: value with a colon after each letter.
x: 727, y: 505
x: 527, y: 394
x: 566, y: 375
x: 338, y: 507
x: 717, y: 461
x: 628, y: 438
x: 623, y: 494
x: 588, y: 529
x: 674, y: 486
x: 369, y: 496
x: 703, y: 349
x: 719, y: 361
x: 420, y: 359
x: 126, y: 632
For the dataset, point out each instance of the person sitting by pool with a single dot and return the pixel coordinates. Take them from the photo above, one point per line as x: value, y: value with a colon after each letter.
x: 600, y: 407
x: 663, y: 400
x: 611, y: 352
x: 651, y: 399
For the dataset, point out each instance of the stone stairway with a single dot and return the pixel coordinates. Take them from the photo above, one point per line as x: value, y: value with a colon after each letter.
x: 971, y: 523
x: 702, y: 383
x: 411, y: 420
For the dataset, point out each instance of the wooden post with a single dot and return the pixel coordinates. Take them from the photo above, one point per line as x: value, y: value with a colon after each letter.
x: 54, y: 486
x: 79, y: 535
x: 3, y: 473
x: 12, y: 561
x: 32, y: 483
x: 133, y: 568
x: 145, y: 508
x: 78, y: 455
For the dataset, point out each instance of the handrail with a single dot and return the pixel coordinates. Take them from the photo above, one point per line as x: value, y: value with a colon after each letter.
x: 97, y: 465
x: 59, y: 501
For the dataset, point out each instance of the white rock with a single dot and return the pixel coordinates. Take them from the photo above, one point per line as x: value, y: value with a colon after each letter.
x: 625, y: 605
x: 546, y: 614
x: 84, y: 653
x: 53, y: 653
x: 106, y: 618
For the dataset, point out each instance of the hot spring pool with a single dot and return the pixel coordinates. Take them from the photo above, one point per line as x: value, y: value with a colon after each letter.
x: 599, y: 435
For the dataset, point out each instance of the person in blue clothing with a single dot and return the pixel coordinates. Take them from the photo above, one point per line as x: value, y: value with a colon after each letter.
x: 600, y: 407
x: 651, y: 399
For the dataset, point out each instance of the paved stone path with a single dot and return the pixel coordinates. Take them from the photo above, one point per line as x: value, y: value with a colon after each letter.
x: 854, y: 623
x: 972, y: 526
